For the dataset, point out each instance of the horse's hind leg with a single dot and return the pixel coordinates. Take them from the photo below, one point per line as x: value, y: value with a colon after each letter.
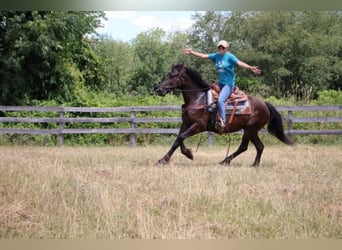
x: 259, y: 146
x: 242, y: 148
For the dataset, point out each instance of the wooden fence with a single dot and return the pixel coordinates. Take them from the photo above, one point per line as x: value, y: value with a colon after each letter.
x: 61, y: 118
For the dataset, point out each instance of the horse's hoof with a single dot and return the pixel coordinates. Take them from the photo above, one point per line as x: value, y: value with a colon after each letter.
x: 188, y: 154
x: 162, y: 162
x: 225, y: 162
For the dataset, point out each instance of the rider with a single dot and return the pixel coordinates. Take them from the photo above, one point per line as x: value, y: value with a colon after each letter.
x: 225, y: 63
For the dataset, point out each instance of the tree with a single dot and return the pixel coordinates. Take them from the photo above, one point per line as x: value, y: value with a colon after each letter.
x: 151, y: 57
x: 45, y: 55
x: 117, y: 64
x: 204, y: 35
x: 299, y: 52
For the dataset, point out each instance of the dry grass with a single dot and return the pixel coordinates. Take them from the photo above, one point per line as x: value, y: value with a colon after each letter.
x: 116, y: 193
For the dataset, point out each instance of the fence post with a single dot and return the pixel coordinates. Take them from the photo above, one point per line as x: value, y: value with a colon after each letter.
x: 60, y: 128
x: 133, y: 136
x: 289, y: 123
x: 210, y: 138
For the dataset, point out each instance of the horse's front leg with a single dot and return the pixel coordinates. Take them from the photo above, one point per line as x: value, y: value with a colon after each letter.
x: 185, y: 151
x: 184, y: 133
x: 168, y: 155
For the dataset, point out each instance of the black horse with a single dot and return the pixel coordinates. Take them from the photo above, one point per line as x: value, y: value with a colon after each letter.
x: 196, y: 118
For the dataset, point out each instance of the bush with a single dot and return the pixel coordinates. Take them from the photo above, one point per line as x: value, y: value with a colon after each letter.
x: 329, y: 97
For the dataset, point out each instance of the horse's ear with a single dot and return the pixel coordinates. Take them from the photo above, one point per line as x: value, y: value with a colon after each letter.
x: 181, y: 66
x: 178, y: 66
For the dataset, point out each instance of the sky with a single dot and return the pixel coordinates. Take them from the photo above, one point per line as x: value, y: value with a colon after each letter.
x: 126, y: 25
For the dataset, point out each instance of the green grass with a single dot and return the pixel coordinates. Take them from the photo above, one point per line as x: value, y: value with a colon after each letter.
x: 119, y: 193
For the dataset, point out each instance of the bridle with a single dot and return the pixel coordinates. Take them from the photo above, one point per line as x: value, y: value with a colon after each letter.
x: 195, y: 90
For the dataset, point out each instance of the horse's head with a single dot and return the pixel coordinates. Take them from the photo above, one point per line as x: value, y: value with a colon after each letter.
x: 173, y: 81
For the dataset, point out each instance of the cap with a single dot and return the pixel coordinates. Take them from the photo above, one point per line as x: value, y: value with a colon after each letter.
x: 223, y: 43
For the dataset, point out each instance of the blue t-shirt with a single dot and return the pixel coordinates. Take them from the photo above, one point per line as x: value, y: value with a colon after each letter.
x: 225, y: 66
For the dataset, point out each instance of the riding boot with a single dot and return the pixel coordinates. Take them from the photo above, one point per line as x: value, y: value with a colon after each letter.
x: 220, y: 125
x: 212, y: 107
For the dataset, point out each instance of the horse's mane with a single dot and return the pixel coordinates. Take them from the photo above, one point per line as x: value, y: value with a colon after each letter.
x: 196, y: 76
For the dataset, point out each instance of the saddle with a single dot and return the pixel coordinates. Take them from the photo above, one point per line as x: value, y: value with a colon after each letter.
x: 237, y: 102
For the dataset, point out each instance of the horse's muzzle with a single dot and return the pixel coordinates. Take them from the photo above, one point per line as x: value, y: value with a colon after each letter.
x: 160, y: 91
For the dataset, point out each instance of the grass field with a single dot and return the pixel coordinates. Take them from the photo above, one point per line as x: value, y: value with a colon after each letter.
x: 118, y: 193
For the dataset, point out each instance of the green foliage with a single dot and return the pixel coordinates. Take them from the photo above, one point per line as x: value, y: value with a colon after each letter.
x: 299, y: 52
x: 116, y: 61
x: 50, y: 55
x: 151, y: 61
x: 44, y: 54
x: 203, y: 37
x: 302, y: 51
x: 329, y: 97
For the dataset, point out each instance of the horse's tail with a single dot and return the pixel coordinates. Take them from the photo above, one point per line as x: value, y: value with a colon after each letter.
x: 275, y: 125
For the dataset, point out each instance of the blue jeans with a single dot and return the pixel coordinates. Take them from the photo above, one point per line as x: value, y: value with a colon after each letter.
x: 226, y: 91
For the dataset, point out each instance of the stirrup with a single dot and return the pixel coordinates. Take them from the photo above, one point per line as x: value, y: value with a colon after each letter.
x: 220, y: 125
x: 212, y: 107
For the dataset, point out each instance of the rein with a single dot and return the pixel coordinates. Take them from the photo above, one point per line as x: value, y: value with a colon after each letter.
x: 194, y: 107
x: 194, y: 90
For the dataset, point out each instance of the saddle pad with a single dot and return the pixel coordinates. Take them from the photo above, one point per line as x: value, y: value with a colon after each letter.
x: 242, y: 108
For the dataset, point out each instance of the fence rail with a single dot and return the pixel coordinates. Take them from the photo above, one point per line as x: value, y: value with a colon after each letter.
x: 61, y: 119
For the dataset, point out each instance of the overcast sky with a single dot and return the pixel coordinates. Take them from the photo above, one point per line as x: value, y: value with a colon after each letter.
x: 125, y: 25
